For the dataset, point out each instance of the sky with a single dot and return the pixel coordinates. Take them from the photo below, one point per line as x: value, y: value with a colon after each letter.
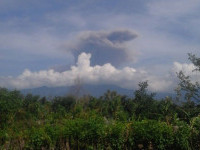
x: 53, y: 43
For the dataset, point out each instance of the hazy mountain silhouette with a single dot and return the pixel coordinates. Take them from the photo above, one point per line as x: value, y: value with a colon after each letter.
x: 94, y: 90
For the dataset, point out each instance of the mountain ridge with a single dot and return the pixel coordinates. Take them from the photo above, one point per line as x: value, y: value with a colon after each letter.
x: 93, y: 90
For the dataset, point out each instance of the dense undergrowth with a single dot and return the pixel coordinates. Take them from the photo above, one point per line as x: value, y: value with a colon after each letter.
x: 111, y: 121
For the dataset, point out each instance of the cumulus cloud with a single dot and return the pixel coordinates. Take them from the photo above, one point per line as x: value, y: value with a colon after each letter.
x: 126, y: 77
x: 105, y: 46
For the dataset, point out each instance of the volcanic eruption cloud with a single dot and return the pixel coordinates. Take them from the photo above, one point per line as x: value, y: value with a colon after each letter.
x: 105, y: 46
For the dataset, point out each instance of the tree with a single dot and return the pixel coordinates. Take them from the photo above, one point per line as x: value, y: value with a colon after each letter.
x: 195, y: 60
x: 144, y: 100
x: 63, y: 102
x: 190, y: 90
x: 10, y: 102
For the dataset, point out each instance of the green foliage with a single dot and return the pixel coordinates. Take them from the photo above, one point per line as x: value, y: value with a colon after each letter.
x: 83, y: 132
x: 10, y: 102
x: 144, y: 101
x: 38, y: 139
x: 66, y: 102
x: 4, y: 137
x: 152, y: 133
x: 195, y: 127
x: 182, y: 136
x: 54, y: 132
x: 112, y: 121
x: 114, y: 135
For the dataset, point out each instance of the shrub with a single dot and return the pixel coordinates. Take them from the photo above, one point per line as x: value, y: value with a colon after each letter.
x: 182, y: 136
x: 38, y: 139
x: 151, y: 133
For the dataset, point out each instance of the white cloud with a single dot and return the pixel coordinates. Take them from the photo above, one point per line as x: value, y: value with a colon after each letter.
x: 186, y: 68
x: 106, y: 74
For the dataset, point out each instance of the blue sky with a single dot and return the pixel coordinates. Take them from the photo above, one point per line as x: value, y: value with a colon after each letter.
x: 51, y: 42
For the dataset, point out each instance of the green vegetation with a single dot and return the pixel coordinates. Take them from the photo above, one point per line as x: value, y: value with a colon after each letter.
x: 111, y: 121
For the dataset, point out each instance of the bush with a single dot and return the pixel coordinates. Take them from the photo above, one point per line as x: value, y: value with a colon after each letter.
x: 38, y: 139
x: 84, y: 133
x: 182, y: 136
x: 195, y: 127
x: 114, y: 135
x: 149, y: 133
